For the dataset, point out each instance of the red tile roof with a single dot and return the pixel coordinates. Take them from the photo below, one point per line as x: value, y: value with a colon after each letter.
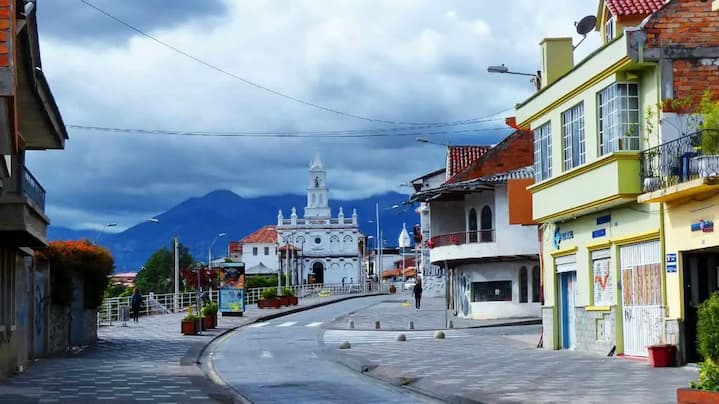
x: 622, y: 8
x: 513, y: 152
x: 235, y: 246
x: 459, y: 157
x: 265, y: 235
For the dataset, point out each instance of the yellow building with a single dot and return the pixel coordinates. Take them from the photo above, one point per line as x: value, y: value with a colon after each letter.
x: 603, y: 251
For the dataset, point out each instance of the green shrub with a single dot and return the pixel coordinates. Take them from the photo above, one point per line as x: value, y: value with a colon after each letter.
x: 209, y: 309
x: 710, y: 122
x: 708, y: 344
x: 191, y: 317
x: 261, y: 281
x: 288, y: 292
x: 269, y: 293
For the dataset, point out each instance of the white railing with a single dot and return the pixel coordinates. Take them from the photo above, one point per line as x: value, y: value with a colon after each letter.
x: 111, y: 308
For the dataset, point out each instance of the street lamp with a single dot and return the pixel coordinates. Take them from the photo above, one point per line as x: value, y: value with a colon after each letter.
x: 423, y: 140
x: 502, y: 69
x: 111, y: 224
x: 209, y: 262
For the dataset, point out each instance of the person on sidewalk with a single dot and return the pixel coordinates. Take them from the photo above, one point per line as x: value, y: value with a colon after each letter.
x: 136, y: 303
x: 417, y: 293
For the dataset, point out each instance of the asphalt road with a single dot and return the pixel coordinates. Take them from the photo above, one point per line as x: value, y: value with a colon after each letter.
x: 285, y: 361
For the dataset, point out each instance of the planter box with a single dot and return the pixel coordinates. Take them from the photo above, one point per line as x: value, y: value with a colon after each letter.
x: 208, y: 323
x: 293, y: 300
x: 662, y: 356
x: 705, y: 166
x: 691, y: 396
x: 268, y: 303
x: 189, y: 327
x: 285, y: 300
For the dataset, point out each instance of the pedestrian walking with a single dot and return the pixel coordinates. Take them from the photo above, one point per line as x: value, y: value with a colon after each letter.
x: 136, y: 302
x: 343, y: 283
x: 417, y: 293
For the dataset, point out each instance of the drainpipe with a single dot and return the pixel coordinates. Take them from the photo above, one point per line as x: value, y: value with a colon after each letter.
x: 662, y: 249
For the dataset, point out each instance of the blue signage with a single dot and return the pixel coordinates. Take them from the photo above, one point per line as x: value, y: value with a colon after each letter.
x: 604, y: 219
x: 232, y: 300
x: 559, y: 236
x: 705, y: 226
x: 671, y: 259
x: 599, y: 233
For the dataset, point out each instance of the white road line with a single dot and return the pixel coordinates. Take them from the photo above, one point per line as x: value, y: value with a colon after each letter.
x: 316, y: 324
x: 266, y: 354
x: 288, y: 324
x: 257, y: 325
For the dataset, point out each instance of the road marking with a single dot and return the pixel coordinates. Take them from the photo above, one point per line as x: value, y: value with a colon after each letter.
x: 266, y: 354
x: 316, y: 324
x: 288, y: 324
x: 370, y: 337
x: 257, y: 325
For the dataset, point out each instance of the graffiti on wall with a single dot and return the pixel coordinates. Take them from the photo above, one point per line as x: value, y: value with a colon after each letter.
x: 433, y: 286
x: 464, y: 286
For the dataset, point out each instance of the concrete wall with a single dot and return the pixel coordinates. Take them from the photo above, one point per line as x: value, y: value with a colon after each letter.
x: 250, y: 260
x: 596, y: 330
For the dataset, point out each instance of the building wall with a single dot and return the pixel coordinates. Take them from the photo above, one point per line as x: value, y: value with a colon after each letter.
x: 250, y: 260
x: 512, y: 239
x: 596, y: 330
x: 444, y: 218
x: 495, y: 271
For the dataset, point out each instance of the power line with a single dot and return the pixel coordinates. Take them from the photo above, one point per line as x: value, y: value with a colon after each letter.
x: 260, y: 86
x: 161, y: 132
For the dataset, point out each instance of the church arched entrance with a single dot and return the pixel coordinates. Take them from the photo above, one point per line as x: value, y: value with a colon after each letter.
x: 318, y: 272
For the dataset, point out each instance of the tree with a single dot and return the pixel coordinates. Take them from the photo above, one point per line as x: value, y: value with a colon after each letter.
x: 156, y: 275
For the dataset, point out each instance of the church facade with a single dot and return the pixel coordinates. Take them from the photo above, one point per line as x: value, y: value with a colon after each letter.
x: 322, y: 248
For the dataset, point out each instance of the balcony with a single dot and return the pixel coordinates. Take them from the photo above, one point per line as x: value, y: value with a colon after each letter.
x: 22, y: 211
x: 464, y: 237
x: 610, y: 181
x: 678, y: 169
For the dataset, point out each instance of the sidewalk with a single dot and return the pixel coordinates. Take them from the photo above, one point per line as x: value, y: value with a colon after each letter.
x: 500, y: 365
x: 397, y: 310
x: 149, y: 361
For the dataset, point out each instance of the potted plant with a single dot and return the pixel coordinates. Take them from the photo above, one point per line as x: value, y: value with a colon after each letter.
x: 706, y: 388
x: 707, y: 164
x: 290, y: 293
x: 190, y: 323
x: 209, y: 315
x: 269, y: 299
x: 662, y: 355
x: 284, y: 298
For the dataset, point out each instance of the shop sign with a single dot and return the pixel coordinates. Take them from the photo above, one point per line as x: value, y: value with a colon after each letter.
x: 671, y: 261
x: 599, y: 233
x: 604, y: 219
x: 561, y: 236
x: 703, y: 225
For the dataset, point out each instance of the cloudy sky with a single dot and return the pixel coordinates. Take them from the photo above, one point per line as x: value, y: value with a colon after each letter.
x: 412, y: 61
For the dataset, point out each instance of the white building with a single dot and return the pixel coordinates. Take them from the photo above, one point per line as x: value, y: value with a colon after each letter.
x: 433, y: 276
x: 259, y: 252
x: 328, y: 247
x: 482, y: 234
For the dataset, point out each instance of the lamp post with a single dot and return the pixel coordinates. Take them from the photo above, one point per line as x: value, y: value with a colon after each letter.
x: 502, y: 69
x: 209, y: 261
x: 111, y: 224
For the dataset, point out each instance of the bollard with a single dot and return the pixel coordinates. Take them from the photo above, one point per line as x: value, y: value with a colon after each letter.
x: 345, y: 345
x: 376, y: 325
x: 352, y: 324
x: 411, y: 325
x: 439, y: 334
x: 401, y: 337
x: 451, y: 324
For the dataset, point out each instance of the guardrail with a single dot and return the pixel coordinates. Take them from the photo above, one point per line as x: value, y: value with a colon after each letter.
x: 111, y: 308
x: 462, y: 237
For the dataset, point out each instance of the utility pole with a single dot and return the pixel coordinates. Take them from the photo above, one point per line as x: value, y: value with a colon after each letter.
x: 177, y: 275
x: 377, y: 269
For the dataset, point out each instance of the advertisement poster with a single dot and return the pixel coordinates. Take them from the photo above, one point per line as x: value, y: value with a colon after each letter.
x: 232, y: 288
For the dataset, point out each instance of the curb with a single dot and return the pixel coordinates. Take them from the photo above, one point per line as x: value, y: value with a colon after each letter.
x: 214, y: 378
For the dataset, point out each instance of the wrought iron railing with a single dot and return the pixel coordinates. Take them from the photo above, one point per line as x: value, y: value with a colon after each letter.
x: 32, y: 189
x: 677, y: 161
x: 463, y: 237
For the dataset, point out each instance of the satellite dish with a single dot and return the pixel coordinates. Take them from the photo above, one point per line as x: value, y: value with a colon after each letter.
x: 586, y: 25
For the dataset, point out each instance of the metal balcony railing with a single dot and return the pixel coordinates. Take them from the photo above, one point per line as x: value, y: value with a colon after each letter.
x: 32, y: 189
x: 677, y: 161
x: 463, y: 237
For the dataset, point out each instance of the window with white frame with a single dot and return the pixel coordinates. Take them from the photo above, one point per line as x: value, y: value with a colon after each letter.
x: 573, y: 136
x: 618, y: 118
x: 543, y: 152
x: 609, y: 29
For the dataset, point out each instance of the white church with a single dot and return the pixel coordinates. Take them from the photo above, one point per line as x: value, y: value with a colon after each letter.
x: 327, y: 248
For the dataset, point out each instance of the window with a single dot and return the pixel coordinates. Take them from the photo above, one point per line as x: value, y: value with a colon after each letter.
x: 618, y: 117
x: 486, y: 225
x: 603, y: 278
x: 543, y: 152
x: 267, y: 250
x: 523, y: 285
x: 472, y: 219
x: 536, y: 285
x: 496, y: 291
x: 609, y: 29
x: 254, y: 250
x: 573, y: 136
x: 318, y: 240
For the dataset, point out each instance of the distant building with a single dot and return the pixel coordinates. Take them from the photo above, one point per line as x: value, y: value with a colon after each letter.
x: 259, y: 251
x: 327, y: 248
x: 126, y: 279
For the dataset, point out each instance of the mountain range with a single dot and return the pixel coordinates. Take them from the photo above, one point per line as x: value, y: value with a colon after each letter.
x: 197, y: 221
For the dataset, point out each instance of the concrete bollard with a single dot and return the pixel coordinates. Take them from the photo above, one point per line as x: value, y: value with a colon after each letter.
x: 345, y: 345
x: 401, y: 337
x: 451, y: 324
x: 439, y: 334
x: 352, y: 324
x: 376, y: 325
x: 411, y: 325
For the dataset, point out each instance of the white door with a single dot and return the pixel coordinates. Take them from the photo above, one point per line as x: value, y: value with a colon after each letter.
x: 643, y: 312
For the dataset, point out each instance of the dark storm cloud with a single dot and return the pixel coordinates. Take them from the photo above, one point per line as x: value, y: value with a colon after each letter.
x: 72, y: 20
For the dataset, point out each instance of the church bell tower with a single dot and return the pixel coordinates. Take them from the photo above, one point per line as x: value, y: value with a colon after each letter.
x: 317, y: 192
